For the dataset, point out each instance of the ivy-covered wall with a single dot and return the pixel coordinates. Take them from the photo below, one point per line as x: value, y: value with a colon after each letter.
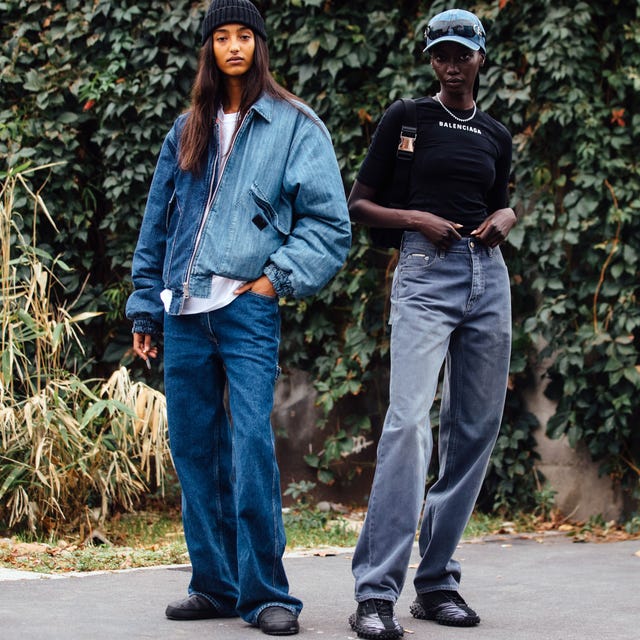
x: 96, y: 86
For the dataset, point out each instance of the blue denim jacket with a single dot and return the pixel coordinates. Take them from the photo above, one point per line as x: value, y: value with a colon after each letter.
x: 278, y: 209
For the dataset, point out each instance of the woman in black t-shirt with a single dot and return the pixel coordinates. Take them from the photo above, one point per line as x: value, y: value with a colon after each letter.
x: 450, y: 303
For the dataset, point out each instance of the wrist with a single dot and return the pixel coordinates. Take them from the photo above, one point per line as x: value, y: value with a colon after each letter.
x: 413, y: 219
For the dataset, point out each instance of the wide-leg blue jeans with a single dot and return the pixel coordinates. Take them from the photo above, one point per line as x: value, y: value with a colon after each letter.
x: 231, y: 503
x: 446, y: 306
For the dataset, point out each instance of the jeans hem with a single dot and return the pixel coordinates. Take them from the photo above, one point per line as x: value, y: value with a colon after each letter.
x: 253, y: 619
x: 221, y: 609
x: 377, y: 596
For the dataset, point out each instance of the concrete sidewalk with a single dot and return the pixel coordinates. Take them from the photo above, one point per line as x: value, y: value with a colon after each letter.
x: 544, y: 588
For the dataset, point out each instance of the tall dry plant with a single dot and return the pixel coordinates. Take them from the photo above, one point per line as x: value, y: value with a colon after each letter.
x: 67, y: 445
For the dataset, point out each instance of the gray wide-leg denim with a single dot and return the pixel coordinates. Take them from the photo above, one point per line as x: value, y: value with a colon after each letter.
x: 452, y: 307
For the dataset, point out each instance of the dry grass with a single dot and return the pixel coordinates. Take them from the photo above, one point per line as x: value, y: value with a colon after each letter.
x: 68, y: 444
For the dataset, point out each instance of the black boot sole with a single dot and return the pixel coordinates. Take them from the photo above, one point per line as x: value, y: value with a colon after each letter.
x: 368, y: 635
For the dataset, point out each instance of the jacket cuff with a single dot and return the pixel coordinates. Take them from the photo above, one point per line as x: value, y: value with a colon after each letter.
x: 147, y: 326
x: 280, y: 280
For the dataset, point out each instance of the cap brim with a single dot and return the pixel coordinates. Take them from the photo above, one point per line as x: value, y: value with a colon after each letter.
x: 459, y: 39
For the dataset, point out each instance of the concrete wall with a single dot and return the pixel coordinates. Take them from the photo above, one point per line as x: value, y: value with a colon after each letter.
x: 581, y: 491
x: 295, y: 418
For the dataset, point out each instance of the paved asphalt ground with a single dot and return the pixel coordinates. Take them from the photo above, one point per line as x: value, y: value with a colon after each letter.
x: 524, y: 589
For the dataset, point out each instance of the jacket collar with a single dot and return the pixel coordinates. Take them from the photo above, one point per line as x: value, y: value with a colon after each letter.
x: 264, y: 106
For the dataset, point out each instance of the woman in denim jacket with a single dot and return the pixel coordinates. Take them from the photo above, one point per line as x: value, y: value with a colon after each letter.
x: 246, y: 205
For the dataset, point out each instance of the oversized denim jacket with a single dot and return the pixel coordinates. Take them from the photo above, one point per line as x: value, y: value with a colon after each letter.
x: 278, y: 209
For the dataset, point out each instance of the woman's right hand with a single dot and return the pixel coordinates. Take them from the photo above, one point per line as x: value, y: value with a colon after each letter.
x: 143, y: 347
x: 443, y: 233
x: 364, y: 209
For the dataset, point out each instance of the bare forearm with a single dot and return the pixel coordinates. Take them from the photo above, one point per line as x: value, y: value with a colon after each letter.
x: 364, y: 209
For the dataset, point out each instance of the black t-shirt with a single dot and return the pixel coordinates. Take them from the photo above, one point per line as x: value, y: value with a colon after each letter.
x: 460, y: 170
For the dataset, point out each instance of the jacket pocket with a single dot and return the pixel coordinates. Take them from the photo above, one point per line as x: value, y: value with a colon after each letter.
x: 267, y: 214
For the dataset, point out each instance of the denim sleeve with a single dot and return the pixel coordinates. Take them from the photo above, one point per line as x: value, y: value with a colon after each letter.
x: 320, y: 239
x: 144, y: 306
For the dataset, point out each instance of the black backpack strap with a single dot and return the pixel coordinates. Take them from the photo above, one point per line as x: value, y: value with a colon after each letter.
x: 409, y: 131
x: 397, y: 194
x: 404, y: 154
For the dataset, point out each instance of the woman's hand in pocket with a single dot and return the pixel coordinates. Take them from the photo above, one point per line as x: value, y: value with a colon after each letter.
x: 261, y: 286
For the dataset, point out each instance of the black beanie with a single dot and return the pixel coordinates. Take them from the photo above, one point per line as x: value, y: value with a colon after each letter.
x: 231, y: 11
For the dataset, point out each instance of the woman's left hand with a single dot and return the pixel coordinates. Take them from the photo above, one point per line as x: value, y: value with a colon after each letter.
x: 261, y: 286
x: 495, y: 229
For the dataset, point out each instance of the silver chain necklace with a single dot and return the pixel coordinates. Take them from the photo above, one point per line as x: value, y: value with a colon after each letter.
x: 453, y: 115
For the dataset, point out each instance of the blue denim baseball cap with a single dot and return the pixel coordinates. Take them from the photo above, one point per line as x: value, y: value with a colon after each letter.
x: 456, y: 25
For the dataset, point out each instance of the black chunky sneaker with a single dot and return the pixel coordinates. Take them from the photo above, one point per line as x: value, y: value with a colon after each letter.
x: 195, y: 607
x: 445, y: 607
x: 375, y: 619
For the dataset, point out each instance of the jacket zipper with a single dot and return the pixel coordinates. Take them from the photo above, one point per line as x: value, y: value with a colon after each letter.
x: 211, y: 197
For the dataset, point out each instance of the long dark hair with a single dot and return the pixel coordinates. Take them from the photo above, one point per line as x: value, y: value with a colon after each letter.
x: 208, y: 94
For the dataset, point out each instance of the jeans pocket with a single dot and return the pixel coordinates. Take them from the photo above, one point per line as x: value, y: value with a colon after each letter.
x: 261, y: 296
x: 416, y: 261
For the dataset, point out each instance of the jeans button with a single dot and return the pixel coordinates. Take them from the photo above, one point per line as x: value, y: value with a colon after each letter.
x: 472, y: 244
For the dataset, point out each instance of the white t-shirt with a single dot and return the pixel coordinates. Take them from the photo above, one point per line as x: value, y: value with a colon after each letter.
x: 222, y: 289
